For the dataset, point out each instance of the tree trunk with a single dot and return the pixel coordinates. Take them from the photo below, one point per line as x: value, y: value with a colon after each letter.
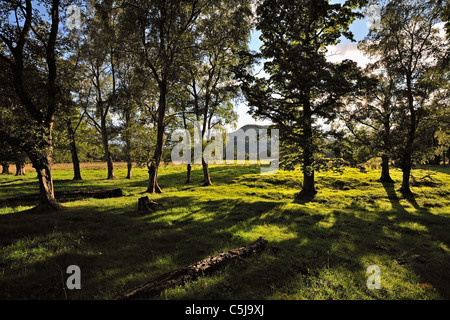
x: 153, y: 186
x: 406, y: 169
x: 308, y: 188
x: 385, y: 176
x: 189, y: 169
x: 20, y: 168
x: 47, y: 200
x: 76, y: 165
x: 206, y: 177
x: 5, y: 168
x: 74, y: 152
x: 129, y: 167
x: 407, y: 154
x: 108, y: 157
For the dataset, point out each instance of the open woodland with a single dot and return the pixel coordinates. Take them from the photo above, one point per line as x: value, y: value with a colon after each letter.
x: 92, y: 94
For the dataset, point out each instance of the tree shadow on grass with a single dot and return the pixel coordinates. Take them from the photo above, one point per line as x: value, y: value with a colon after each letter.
x: 424, y: 253
x: 111, y: 248
x: 318, y: 251
x: 118, y: 250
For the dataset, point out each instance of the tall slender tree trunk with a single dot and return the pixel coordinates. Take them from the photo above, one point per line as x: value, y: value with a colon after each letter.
x: 406, y: 170
x: 75, y: 162
x: 74, y: 152
x: 109, y: 162
x: 308, y: 188
x: 153, y: 186
x: 385, y: 176
x: 108, y: 157
x: 129, y: 167
x: 408, y: 151
x: 189, y: 169
x: 206, y: 176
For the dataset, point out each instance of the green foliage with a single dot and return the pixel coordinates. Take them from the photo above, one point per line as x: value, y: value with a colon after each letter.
x: 301, y: 86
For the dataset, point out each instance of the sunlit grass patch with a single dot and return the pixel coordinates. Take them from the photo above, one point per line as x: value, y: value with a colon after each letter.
x: 317, y: 249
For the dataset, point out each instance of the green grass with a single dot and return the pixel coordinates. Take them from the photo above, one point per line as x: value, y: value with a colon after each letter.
x: 317, y: 250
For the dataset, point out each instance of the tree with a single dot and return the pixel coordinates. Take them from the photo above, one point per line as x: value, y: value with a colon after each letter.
x: 28, y: 50
x: 136, y: 131
x: 375, y: 107
x: 222, y: 31
x: 161, y: 31
x: 302, y: 85
x: 407, y: 44
x: 101, y: 53
x: 70, y: 114
x: 6, y: 156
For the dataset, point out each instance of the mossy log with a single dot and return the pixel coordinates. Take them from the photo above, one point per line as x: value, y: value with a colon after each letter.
x: 180, y: 276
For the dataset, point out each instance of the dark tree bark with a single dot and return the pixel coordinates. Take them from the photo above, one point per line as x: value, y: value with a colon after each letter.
x: 20, y: 168
x: 406, y: 170
x: 408, y: 151
x: 73, y: 151
x: 308, y: 188
x: 108, y: 157
x: 129, y: 167
x: 5, y: 168
x: 47, y: 200
x: 146, y: 205
x: 189, y: 169
x: 385, y: 176
x: 206, y: 176
x: 153, y: 186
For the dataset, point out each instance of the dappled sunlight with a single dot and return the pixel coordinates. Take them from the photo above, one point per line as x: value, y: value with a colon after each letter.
x: 317, y: 249
x: 271, y: 233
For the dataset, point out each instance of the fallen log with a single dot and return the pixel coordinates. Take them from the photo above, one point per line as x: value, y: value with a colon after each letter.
x: 97, y: 194
x: 69, y: 195
x: 180, y: 276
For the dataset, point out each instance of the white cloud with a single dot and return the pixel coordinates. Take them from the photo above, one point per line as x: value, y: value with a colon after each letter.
x: 347, y: 50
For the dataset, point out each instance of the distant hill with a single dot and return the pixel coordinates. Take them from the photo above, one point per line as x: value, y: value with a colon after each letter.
x: 253, y: 126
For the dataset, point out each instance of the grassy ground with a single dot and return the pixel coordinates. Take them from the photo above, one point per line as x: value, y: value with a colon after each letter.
x: 319, y: 249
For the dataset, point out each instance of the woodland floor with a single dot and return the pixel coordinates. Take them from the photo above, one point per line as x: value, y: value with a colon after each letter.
x: 318, y: 249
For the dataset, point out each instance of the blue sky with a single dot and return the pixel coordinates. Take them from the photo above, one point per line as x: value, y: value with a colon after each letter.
x: 345, y: 50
